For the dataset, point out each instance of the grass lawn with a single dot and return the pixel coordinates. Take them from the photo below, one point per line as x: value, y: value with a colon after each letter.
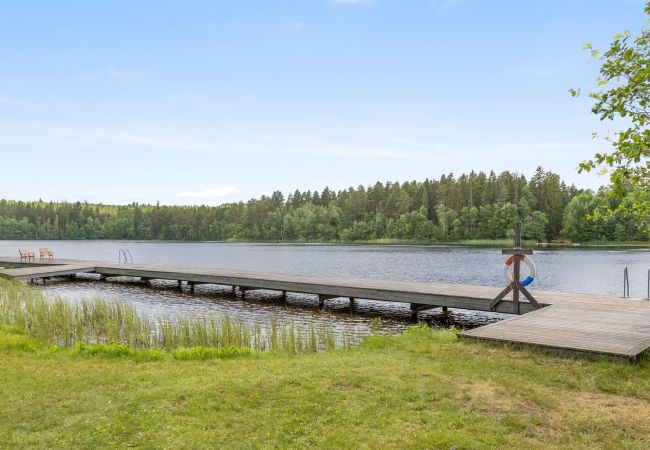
x: 425, y: 389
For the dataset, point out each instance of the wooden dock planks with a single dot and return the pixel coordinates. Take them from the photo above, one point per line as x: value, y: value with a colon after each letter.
x: 580, y: 323
x: 26, y: 273
x: 618, y: 327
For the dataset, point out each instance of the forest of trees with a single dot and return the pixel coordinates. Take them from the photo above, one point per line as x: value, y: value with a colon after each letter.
x: 473, y: 206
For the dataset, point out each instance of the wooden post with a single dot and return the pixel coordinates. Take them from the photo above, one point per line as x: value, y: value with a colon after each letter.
x: 517, y: 269
x: 515, y: 286
x: 414, y: 312
x: 518, y: 235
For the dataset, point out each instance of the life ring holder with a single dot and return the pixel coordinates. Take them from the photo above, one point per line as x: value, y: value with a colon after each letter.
x: 532, y: 268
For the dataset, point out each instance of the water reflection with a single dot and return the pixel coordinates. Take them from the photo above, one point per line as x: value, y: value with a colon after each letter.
x: 164, y: 299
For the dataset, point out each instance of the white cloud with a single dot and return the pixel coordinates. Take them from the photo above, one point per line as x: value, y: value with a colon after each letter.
x: 472, y: 150
x: 208, y: 194
x: 262, y: 143
x: 164, y: 142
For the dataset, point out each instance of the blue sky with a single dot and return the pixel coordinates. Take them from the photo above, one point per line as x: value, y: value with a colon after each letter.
x: 211, y: 102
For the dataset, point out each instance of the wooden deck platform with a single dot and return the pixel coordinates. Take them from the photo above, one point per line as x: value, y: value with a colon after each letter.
x: 568, y: 322
x: 617, y: 328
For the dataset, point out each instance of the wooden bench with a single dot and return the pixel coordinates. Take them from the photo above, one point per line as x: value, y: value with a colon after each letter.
x: 45, y: 252
x: 26, y: 255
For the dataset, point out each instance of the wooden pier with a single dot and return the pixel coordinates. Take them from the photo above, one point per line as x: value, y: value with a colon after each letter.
x: 566, y: 323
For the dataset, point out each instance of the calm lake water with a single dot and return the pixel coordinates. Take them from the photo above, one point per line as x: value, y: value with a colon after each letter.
x: 572, y: 270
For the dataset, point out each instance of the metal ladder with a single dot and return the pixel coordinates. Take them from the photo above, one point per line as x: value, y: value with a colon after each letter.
x: 626, y: 284
x: 125, y: 254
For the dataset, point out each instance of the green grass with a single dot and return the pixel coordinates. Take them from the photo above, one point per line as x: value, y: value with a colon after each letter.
x: 101, y: 322
x: 424, y: 389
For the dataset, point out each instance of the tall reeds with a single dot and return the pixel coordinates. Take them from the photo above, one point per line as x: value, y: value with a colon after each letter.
x: 98, y: 321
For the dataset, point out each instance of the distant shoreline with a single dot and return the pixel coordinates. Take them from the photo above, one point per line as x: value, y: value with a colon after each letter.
x: 498, y: 243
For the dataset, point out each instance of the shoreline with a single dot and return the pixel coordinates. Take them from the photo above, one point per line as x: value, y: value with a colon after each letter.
x: 499, y: 243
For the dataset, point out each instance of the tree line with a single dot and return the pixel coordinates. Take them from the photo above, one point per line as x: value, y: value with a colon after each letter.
x: 471, y: 206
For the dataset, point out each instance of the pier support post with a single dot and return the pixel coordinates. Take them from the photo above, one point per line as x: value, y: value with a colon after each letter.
x: 322, y: 298
x: 284, y: 296
x: 244, y: 289
x: 352, y: 302
x: 191, y: 286
x: 180, y: 284
x: 145, y: 280
x: 414, y: 312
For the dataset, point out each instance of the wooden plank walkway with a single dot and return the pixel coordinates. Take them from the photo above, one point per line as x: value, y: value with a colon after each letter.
x: 569, y: 323
x: 48, y: 271
x: 420, y: 294
x: 618, y: 328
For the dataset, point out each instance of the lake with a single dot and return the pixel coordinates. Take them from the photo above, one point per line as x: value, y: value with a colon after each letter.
x: 571, y: 270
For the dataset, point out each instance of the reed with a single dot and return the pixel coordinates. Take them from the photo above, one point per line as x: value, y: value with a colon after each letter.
x: 108, y: 322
